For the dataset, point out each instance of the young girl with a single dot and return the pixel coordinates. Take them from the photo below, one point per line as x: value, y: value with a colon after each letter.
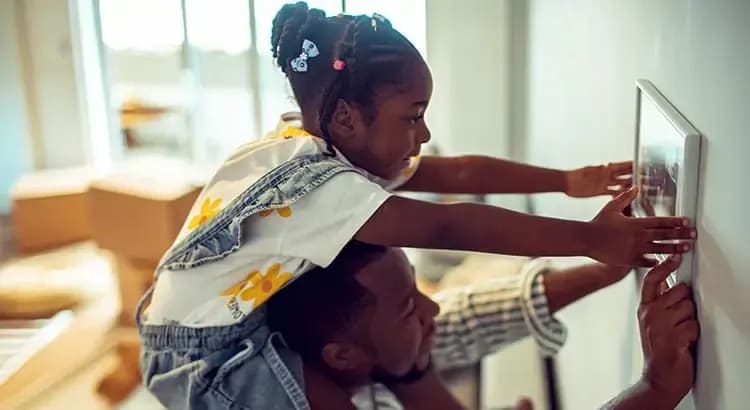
x: 289, y: 202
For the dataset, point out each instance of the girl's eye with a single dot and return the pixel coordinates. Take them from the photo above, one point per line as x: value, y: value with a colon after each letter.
x: 415, y: 120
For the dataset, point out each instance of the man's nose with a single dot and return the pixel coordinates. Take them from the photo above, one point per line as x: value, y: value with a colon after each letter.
x: 429, y: 308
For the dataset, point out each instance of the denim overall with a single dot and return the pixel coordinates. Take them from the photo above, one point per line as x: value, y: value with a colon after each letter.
x: 239, y: 366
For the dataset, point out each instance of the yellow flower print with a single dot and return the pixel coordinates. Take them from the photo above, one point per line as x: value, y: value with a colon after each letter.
x: 208, y: 210
x: 266, y: 286
x: 259, y: 288
x: 293, y: 132
x: 236, y: 289
x: 284, y: 212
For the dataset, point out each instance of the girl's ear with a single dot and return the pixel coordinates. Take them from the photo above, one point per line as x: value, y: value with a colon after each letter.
x: 348, y: 127
x: 342, y: 121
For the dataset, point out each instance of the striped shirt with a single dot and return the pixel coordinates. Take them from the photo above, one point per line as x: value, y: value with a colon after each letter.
x: 480, y: 319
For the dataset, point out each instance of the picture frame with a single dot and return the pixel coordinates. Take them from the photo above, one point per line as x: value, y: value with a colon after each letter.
x: 666, y: 165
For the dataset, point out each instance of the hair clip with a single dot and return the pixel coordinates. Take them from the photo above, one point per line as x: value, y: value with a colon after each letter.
x: 309, y: 50
x: 377, y: 18
x: 339, y: 65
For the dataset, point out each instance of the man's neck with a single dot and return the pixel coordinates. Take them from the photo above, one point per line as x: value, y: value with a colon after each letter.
x: 330, y: 391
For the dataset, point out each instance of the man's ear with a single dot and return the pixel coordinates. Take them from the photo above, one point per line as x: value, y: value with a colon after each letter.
x: 345, y: 357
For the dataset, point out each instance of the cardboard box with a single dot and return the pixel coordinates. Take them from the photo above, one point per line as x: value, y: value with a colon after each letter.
x: 137, y: 216
x: 134, y: 277
x: 50, y: 208
x: 125, y: 376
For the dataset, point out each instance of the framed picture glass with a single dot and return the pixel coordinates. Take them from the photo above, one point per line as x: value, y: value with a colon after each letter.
x: 667, y: 160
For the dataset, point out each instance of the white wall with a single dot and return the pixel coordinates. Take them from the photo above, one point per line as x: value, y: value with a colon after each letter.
x: 15, y: 155
x: 583, y: 57
x: 469, y: 52
x: 51, y: 85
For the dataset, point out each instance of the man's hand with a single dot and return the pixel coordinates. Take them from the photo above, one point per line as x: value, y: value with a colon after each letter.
x: 611, y: 179
x: 668, y: 330
x: 620, y: 240
x: 524, y: 403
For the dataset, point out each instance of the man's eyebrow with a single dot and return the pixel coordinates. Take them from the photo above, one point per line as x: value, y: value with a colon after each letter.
x: 405, y: 301
x: 403, y: 304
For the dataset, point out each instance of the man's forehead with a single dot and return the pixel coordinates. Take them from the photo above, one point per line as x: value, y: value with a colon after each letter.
x: 389, y: 274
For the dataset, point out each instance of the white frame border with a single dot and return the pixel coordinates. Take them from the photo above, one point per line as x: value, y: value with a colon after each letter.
x: 687, y: 180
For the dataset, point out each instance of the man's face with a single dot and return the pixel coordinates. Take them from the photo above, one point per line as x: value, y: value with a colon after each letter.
x: 401, y: 321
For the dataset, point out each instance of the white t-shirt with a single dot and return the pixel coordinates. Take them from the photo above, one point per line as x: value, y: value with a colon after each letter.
x: 278, y: 245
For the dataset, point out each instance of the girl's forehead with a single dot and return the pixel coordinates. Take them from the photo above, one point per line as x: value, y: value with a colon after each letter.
x: 415, y: 89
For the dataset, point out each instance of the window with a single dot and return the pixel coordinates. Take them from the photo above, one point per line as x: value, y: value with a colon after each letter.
x: 186, y: 80
x: 157, y: 26
x: 407, y: 16
x: 142, y: 25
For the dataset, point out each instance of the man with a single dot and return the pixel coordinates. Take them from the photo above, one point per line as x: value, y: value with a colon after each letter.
x: 362, y: 321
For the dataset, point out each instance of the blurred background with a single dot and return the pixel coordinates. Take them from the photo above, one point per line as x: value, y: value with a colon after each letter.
x: 114, y: 112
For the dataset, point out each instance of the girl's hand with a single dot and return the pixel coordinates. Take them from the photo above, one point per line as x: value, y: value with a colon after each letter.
x: 619, y: 240
x: 611, y: 179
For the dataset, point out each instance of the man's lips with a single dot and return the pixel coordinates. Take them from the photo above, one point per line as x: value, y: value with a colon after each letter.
x: 428, y: 342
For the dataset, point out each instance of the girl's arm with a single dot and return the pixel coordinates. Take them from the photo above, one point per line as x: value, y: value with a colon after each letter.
x: 474, y: 174
x: 610, y: 237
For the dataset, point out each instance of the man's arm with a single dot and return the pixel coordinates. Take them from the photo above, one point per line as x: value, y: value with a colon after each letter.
x: 641, y: 396
x: 481, y: 318
x: 566, y: 286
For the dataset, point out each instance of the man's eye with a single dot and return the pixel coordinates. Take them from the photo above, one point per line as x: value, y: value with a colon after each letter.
x: 410, y: 307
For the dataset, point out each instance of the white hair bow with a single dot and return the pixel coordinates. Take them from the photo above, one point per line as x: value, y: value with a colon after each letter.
x: 309, y: 50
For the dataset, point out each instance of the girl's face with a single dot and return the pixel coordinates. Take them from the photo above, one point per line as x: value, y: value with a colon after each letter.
x: 384, y: 144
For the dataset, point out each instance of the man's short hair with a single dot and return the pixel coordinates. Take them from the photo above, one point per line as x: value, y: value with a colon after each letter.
x: 323, y: 302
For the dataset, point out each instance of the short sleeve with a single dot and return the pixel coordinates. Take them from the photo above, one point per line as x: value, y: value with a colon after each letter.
x: 321, y: 223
